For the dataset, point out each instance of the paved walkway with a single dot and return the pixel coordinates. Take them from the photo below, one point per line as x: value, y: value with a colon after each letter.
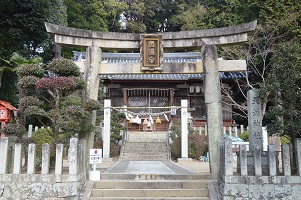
x: 159, y: 167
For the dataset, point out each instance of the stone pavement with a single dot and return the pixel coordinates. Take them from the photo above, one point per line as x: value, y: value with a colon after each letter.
x: 157, y: 167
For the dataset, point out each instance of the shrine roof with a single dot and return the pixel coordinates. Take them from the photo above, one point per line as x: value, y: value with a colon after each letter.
x: 168, y: 77
x: 7, y: 105
x: 135, y: 57
x: 178, y: 57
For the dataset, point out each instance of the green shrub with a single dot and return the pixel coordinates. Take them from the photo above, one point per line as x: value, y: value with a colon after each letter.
x: 63, y: 67
x: 245, y: 136
x: 174, y: 132
x: 285, y: 139
x: 41, y: 137
x: 17, y: 130
x: 114, y: 149
x: 197, y: 146
x: 175, y: 148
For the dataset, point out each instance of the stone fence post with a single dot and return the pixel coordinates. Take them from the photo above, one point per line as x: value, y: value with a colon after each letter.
x: 73, y: 156
x: 45, y: 158
x: 228, y: 157
x: 59, y: 159
x: 3, y: 155
x: 298, y: 152
x: 17, y: 159
x: 31, y: 165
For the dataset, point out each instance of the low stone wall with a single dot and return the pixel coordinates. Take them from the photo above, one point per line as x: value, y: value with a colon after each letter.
x: 25, y: 183
x: 257, y: 183
x: 259, y: 187
x: 37, y: 186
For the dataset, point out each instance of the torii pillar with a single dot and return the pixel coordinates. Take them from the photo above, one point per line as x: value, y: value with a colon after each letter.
x: 213, y: 103
x: 91, y: 77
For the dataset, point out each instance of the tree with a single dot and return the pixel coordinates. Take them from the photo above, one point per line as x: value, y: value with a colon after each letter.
x: 50, y: 93
x: 278, y: 22
x: 49, y: 99
x: 23, y: 31
x: 285, y: 90
x: 257, y: 52
x: 95, y: 15
x: 189, y: 17
x: 23, y: 27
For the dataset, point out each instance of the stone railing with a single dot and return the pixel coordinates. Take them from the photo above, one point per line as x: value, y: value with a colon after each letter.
x: 66, y: 180
x: 259, y: 175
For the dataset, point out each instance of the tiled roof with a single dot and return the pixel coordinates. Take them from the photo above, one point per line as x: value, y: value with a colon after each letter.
x: 178, y: 57
x: 223, y: 75
x: 7, y: 105
x: 135, y: 57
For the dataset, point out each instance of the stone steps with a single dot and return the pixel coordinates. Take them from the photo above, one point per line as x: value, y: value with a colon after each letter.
x: 143, y: 146
x: 148, y: 198
x: 146, y: 153
x: 147, y: 137
x: 149, y: 193
x: 151, y: 187
x: 134, y: 147
x: 145, y: 158
x: 150, y: 184
x: 177, y: 177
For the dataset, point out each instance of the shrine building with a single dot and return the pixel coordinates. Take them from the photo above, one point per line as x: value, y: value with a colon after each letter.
x: 158, y: 91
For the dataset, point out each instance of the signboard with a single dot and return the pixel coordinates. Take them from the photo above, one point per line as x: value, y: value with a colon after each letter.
x: 151, y: 52
x: 95, y: 156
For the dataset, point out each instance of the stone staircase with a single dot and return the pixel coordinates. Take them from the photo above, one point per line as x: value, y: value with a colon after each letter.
x: 145, y: 173
x: 151, y: 187
x: 145, y: 146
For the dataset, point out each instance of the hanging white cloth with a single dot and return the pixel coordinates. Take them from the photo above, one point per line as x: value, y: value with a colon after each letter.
x: 151, y: 119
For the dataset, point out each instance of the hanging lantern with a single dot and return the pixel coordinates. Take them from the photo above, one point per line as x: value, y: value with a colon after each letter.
x: 158, y: 121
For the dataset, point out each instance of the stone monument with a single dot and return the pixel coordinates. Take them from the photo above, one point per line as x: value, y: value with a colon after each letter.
x: 255, y: 135
x: 254, y: 120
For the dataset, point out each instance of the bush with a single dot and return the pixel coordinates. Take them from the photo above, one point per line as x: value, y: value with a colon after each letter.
x: 197, y: 146
x: 63, y: 67
x: 41, y: 137
x: 114, y: 149
x: 175, y: 148
x: 17, y: 130
x: 245, y: 136
x: 30, y: 70
x: 285, y: 139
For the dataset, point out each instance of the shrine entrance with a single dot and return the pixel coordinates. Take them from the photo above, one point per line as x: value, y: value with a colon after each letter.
x: 148, y: 108
x: 152, y: 62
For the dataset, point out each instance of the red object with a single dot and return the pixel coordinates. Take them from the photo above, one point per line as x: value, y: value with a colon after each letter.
x: 6, y: 112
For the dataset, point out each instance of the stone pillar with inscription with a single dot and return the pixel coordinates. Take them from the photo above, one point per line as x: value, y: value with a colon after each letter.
x: 106, y: 129
x: 255, y: 136
x: 254, y: 120
x: 184, y: 129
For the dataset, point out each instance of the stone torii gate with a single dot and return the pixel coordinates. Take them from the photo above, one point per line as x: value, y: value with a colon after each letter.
x: 205, y: 40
